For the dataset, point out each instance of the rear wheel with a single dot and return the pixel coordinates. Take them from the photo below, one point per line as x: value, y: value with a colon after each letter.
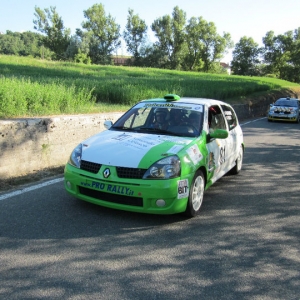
x: 195, y: 195
x: 238, y: 163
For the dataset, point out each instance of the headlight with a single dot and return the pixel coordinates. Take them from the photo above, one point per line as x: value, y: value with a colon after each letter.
x: 75, y: 157
x: 165, y: 168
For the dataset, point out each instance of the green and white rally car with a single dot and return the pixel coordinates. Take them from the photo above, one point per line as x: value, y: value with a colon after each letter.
x: 159, y: 157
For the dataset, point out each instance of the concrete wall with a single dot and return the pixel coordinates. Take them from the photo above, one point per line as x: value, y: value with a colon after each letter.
x: 31, y: 145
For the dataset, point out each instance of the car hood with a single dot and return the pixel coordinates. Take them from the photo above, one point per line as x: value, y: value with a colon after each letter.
x: 131, y: 149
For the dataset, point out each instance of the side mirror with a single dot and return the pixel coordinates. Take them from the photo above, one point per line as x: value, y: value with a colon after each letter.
x: 108, y: 124
x: 271, y: 105
x: 218, y: 134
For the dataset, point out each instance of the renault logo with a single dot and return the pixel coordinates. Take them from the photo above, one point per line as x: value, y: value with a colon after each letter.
x: 106, y: 173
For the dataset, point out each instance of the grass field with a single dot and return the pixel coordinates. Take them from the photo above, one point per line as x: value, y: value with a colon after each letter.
x: 31, y: 87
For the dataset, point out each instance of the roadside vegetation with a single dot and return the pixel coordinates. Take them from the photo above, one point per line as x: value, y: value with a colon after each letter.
x: 180, y: 44
x: 33, y: 87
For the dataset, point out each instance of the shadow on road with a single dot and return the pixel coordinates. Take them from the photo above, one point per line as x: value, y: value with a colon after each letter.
x: 243, y: 245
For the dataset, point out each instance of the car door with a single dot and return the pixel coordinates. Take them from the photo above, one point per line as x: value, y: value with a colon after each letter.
x: 232, y: 140
x: 218, y: 149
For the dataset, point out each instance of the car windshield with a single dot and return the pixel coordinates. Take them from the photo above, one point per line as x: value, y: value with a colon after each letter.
x: 289, y: 103
x: 178, y: 119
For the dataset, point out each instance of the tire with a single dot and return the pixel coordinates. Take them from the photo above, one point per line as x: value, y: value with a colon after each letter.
x: 238, y: 163
x: 195, y: 195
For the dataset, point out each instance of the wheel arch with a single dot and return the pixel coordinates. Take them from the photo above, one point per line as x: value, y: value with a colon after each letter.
x: 204, y: 171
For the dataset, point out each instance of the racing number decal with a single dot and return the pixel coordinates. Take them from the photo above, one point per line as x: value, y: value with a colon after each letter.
x: 222, y: 155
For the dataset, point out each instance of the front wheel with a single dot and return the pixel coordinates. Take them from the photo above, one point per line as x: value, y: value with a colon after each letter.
x: 196, y: 194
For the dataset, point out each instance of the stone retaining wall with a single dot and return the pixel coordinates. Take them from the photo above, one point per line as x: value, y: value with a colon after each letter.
x: 30, y: 145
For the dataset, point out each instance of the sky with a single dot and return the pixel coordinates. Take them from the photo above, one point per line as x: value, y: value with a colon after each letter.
x: 250, y: 18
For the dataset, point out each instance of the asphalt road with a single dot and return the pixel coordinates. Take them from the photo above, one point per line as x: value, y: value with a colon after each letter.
x: 245, y: 244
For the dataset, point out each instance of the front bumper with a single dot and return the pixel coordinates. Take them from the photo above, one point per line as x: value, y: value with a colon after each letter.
x: 137, y: 195
x: 282, y: 117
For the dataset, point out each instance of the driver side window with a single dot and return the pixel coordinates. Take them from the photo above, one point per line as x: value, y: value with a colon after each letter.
x: 215, y: 118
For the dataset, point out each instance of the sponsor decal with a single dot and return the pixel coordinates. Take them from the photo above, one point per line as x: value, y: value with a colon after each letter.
x: 167, y: 105
x: 183, y: 188
x: 195, y: 154
x: 174, y: 105
x: 136, y: 141
x: 222, y: 155
x: 111, y: 188
x: 122, y: 137
x: 211, y: 161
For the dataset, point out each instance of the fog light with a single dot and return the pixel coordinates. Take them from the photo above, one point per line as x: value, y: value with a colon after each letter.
x: 69, y: 185
x: 160, y: 202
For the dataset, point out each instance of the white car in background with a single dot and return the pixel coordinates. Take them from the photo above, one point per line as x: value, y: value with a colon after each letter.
x: 285, y: 109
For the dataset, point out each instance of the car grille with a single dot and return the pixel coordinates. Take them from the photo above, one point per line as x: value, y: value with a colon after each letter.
x: 90, y: 166
x: 122, y: 172
x: 130, y: 172
x: 113, y: 198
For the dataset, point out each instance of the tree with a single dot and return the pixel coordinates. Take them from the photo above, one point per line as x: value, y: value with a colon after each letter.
x: 11, y: 43
x: 73, y: 48
x: 32, y: 43
x: 153, y: 56
x: 245, y: 57
x: 23, y: 44
x: 195, y: 47
x: 171, y: 37
x: 103, y: 32
x: 277, y: 52
x: 282, y: 55
x: 135, y: 35
x: 178, y: 26
x: 51, y: 24
x: 204, y: 45
x: 295, y: 57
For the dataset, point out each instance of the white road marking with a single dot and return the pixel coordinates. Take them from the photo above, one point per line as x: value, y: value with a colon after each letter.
x: 31, y: 188
x: 253, y: 121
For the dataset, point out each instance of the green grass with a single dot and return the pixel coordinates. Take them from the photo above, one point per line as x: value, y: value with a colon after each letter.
x: 32, y: 87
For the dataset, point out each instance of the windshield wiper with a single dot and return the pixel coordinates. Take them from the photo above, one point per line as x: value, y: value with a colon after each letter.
x: 121, y: 128
x: 158, y: 130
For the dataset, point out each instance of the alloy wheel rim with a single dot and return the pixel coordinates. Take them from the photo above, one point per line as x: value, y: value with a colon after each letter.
x: 198, y: 189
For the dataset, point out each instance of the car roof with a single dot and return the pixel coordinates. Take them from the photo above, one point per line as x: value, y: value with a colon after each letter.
x: 203, y: 101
